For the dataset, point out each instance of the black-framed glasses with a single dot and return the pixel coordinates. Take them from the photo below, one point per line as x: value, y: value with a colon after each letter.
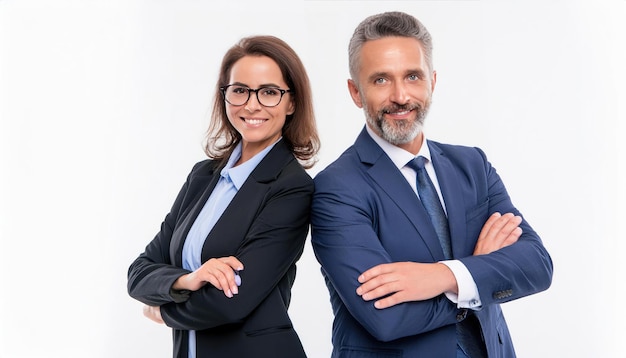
x: 238, y: 95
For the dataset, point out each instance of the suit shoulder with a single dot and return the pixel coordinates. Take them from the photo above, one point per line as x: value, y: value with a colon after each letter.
x: 294, y: 169
x: 344, y: 164
x: 291, y: 176
x: 456, y: 151
x: 346, y: 173
x: 203, y: 168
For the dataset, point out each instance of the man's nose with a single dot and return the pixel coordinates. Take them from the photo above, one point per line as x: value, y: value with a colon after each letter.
x: 400, y: 93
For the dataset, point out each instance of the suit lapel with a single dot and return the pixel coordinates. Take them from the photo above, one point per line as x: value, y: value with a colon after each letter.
x: 232, y: 226
x: 393, y: 183
x: 449, y: 183
x: 203, y: 184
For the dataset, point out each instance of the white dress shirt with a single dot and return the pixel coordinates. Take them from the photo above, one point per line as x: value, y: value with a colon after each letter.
x: 467, y: 296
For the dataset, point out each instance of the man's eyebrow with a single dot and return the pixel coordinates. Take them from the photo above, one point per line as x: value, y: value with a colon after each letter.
x: 418, y: 71
x: 376, y: 75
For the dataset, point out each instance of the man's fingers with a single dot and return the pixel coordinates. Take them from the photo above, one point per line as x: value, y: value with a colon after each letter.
x: 488, y: 224
x: 507, y: 227
x: 502, y: 227
x: 513, y: 237
x: 499, y: 231
x: 499, y: 224
x: 382, y: 286
x: 374, y: 272
x: 390, y: 300
x: 371, y: 284
x: 512, y: 225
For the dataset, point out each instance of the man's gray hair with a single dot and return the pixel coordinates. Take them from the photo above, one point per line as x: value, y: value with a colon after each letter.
x: 386, y: 25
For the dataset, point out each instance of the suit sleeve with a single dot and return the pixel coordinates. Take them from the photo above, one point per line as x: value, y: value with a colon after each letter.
x: 519, y: 270
x: 151, y: 275
x: 270, y: 249
x: 344, y: 221
x: 347, y: 214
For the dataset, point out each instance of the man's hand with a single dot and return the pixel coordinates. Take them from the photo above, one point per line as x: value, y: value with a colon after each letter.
x: 219, y: 272
x: 404, y: 282
x: 153, y: 313
x: 499, y: 231
x: 411, y: 281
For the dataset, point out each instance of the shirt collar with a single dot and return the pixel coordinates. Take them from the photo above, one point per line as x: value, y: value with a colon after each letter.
x: 239, y: 174
x: 399, y: 156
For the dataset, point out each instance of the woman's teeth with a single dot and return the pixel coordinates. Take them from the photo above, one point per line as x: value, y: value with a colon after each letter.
x: 254, y: 121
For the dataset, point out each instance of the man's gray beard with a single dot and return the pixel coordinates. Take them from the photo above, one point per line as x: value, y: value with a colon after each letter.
x: 402, y: 132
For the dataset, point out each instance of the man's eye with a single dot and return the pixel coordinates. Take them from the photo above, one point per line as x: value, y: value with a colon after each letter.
x: 414, y: 77
x: 380, y: 81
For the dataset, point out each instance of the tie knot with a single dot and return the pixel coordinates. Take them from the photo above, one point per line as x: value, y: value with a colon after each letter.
x: 417, y: 163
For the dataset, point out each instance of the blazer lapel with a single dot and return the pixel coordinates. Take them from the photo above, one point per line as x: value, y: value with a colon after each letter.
x: 232, y: 226
x: 394, y: 184
x: 449, y: 183
x: 203, y: 184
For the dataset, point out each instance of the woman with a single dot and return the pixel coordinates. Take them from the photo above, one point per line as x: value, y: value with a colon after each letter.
x: 220, y: 270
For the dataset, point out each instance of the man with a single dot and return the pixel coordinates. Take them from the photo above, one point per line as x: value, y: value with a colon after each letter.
x: 413, y: 272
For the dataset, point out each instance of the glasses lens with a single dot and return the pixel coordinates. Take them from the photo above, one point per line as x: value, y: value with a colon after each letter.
x: 237, y: 95
x: 269, y: 96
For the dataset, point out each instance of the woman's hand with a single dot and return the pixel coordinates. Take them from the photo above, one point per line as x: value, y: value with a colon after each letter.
x: 219, y: 272
x: 153, y: 313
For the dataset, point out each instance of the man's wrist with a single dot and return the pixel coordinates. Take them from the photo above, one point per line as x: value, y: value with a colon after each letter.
x: 466, y: 295
x: 449, y: 280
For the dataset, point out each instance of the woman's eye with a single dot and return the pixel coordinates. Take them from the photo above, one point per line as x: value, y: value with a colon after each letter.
x: 269, y: 92
x: 239, y: 90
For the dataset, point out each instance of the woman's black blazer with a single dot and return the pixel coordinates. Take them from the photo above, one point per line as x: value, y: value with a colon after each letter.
x: 265, y: 227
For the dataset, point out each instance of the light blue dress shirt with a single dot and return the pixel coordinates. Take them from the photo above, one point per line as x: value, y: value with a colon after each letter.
x: 231, y: 180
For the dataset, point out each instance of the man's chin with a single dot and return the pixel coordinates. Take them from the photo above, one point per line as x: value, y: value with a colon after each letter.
x: 400, y: 138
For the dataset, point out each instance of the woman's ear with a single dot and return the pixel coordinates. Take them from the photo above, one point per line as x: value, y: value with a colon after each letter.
x: 292, y: 107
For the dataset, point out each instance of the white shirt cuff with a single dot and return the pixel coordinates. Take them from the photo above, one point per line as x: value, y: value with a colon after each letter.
x: 468, y: 296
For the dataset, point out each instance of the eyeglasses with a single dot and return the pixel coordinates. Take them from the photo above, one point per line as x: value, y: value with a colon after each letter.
x: 239, y: 95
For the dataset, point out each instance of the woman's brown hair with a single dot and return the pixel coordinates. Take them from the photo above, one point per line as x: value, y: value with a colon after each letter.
x: 299, y: 131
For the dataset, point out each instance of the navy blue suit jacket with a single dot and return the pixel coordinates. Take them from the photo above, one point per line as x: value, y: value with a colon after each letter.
x: 364, y: 213
x: 265, y: 227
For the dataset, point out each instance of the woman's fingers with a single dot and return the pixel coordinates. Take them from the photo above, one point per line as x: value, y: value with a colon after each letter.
x: 222, y: 273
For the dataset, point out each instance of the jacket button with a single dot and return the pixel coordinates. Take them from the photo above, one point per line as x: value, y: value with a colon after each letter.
x: 502, y: 294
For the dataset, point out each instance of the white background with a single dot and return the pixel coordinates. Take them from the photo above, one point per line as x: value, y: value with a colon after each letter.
x: 103, y: 108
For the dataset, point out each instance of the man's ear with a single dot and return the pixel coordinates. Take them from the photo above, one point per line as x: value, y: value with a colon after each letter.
x: 354, y: 93
x: 433, y: 82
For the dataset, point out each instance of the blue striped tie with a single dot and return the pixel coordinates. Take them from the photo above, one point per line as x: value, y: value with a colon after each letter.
x: 468, y: 329
x: 430, y: 200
